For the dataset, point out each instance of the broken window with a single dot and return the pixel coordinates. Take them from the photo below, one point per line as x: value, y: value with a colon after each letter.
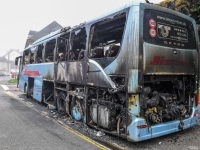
x: 106, y: 37
x: 32, y: 54
x: 78, y: 43
x: 39, y: 53
x: 26, y: 57
x: 49, y: 51
x: 32, y: 57
x: 62, y: 53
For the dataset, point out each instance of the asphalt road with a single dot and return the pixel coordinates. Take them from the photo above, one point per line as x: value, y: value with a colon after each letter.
x: 22, y: 128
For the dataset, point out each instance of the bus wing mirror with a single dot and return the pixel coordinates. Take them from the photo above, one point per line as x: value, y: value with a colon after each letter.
x: 16, y: 60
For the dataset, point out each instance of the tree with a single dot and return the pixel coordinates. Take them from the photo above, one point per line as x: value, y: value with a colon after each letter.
x: 183, y: 6
x: 188, y: 7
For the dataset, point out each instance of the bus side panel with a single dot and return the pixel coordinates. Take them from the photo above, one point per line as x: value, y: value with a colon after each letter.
x: 37, y: 89
x: 76, y: 71
x: 22, y: 81
x: 60, y: 71
x: 38, y: 72
x: 43, y: 70
x: 97, y: 76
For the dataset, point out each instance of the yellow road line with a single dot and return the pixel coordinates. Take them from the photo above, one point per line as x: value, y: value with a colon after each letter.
x: 62, y: 124
x: 82, y: 136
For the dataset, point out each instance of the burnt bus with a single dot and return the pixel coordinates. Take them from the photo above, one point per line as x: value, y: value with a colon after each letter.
x: 132, y: 73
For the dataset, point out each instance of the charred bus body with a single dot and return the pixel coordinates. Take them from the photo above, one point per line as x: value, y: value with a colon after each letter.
x: 131, y: 73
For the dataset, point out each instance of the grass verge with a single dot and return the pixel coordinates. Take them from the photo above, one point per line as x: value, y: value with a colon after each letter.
x: 12, y: 81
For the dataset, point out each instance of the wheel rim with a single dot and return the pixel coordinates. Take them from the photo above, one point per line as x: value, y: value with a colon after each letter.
x: 75, y: 113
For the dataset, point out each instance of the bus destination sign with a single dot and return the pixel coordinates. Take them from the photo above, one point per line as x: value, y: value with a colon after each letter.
x: 165, y: 29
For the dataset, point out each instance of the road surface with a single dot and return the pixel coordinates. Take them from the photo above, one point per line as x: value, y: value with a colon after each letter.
x: 22, y: 128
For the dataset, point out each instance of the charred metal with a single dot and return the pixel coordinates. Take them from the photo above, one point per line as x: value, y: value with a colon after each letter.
x: 167, y: 98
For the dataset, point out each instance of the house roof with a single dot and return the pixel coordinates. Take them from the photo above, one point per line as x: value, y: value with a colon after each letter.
x: 31, y: 32
x: 46, y: 30
x: 3, y: 59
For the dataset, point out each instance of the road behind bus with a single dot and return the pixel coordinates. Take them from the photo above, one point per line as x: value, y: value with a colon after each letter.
x: 46, y: 133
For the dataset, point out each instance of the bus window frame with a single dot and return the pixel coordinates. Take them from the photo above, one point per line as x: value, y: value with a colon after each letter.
x: 66, y: 46
x: 25, y: 62
x: 36, y: 55
x: 110, y: 45
x: 80, y: 50
x: 45, y: 49
x: 33, y: 51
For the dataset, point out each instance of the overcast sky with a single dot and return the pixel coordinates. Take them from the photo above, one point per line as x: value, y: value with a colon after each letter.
x: 18, y: 17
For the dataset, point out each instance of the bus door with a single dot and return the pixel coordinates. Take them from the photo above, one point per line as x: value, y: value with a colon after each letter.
x: 19, y: 65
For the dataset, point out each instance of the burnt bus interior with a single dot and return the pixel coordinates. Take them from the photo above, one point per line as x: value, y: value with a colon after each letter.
x: 48, y: 92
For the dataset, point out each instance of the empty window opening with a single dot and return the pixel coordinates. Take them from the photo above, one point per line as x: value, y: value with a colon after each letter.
x: 26, y: 57
x: 106, y: 37
x: 32, y: 59
x: 78, y: 43
x: 39, y: 53
x: 62, y: 53
x: 49, y: 50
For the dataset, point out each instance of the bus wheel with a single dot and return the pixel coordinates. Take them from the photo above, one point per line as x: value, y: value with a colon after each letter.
x: 61, y: 103
x: 76, y: 109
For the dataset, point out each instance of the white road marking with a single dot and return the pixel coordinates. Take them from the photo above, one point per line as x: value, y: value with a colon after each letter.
x: 4, y: 87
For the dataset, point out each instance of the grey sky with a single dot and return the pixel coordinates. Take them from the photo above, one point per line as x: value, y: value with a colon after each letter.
x: 19, y: 16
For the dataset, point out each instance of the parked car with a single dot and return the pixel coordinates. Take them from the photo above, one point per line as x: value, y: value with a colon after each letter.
x: 3, y: 73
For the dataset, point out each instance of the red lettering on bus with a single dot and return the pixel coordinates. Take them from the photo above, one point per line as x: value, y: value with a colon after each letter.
x: 31, y: 73
x: 160, y: 60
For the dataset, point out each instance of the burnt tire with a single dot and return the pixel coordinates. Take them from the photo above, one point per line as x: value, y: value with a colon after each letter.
x: 61, y: 106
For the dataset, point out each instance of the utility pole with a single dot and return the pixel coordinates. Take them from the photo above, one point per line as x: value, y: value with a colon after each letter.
x: 9, y: 60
